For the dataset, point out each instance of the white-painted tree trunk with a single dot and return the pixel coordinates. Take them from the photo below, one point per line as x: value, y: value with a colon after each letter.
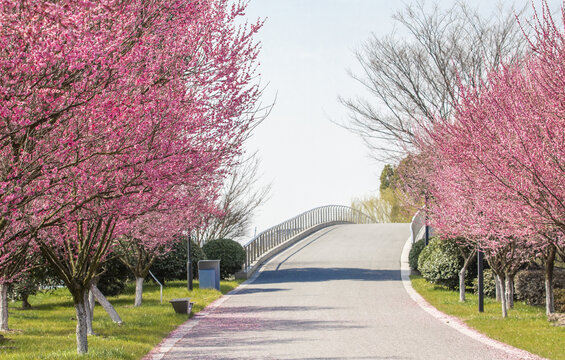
x: 462, y: 284
x: 4, y: 307
x: 88, y: 312
x: 503, y: 297
x: 106, y: 305
x: 549, y: 300
x: 509, y: 292
x: 138, y: 291
x: 81, y: 332
x: 91, y: 303
x: 497, y: 288
x: 549, y: 266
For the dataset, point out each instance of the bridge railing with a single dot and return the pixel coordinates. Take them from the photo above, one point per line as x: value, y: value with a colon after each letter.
x: 286, y: 230
x: 417, y: 225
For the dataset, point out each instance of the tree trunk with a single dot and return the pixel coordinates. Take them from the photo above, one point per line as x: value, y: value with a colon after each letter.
x: 468, y: 259
x: 106, y: 305
x: 509, y: 291
x: 138, y: 291
x: 497, y: 288
x: 82, y: 340
x: 503, y: 297
x: 462, y: 284
x: 549, y: 264
x: 4, y: 307
x: 88, y: 314
x: 25, y: 302
x: 91, y: 303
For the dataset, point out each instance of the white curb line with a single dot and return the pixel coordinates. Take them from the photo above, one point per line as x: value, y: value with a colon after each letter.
x: 451, y: 321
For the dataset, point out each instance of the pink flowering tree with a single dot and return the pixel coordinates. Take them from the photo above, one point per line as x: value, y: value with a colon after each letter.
x: 153, y: 234
x: 112, y: 109
x: 506, y: 139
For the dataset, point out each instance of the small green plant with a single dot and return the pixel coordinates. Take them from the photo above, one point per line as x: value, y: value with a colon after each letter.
x: 415, y: 251
x: 230, y: 253
x: 440, y: 262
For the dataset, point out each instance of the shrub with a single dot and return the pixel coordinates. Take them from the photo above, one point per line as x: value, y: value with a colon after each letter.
x: 172, y: 265
x: 440, y: 262
x: 559, y: 298
x: 529, y: 285
x: 36, y: 279
x: 415, y: 251
x: 230, y: 253
x: 489, y: 284
x: 114, y: 276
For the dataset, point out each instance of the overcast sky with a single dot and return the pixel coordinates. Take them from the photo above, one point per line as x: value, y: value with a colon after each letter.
x: 307, y: 48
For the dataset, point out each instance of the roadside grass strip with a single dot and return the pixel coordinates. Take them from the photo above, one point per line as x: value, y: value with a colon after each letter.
x: 525, y: 328
x: 47, y: 331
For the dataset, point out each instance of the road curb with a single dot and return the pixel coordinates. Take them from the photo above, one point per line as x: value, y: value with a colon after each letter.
x: 452, y: 321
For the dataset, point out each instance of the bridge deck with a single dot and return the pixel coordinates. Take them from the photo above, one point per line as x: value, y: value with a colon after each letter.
x: 335, y: 295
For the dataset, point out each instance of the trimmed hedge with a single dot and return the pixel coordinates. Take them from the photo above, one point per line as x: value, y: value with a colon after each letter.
x: 414, y: 254
x: 230, y: 253
x: 529, y: 285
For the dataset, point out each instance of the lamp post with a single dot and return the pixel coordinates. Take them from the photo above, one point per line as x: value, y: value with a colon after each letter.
x: 427, y: 241
x: 480, y: 279
x: 188, y: 264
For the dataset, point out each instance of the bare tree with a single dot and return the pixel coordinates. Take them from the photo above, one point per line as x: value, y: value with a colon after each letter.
x: 240, y: 198
x: 413, y: 77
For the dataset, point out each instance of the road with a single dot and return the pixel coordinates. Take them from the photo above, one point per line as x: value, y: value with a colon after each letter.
x: 337, y: 294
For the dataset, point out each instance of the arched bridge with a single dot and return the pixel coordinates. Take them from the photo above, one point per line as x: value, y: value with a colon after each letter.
x: 281, y: 236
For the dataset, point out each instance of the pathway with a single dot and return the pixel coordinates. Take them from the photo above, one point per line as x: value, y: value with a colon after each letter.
x: 337, y: 294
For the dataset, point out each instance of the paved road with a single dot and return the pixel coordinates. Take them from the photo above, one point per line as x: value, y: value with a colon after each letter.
x: 335, y: 295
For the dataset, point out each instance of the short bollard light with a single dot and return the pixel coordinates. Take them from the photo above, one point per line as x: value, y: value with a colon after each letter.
x: 182, y: 305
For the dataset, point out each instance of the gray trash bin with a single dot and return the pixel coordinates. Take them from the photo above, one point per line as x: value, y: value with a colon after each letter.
x: 209, y: 274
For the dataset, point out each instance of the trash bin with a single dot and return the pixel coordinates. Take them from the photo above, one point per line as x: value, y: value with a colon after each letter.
x: 209, y: 274
x: 181, y: 305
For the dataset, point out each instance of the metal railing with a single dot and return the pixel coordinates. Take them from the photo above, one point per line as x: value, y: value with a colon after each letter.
x: 286, y: 230
x: 418, y: 227
x: 417, y: 224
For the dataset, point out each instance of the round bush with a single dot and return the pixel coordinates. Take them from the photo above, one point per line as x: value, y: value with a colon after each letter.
x: 172, y: 265
x: 415, y: 251
x: 440, y: 262
x: 230, y: 253
x: 489, y: 284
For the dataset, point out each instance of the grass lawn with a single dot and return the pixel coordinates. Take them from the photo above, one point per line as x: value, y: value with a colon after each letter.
x: 48, y: 330
x: 526, y: 326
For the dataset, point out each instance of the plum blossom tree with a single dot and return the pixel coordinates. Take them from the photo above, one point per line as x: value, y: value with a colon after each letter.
x: 506, y: 140
x: 112, y: 109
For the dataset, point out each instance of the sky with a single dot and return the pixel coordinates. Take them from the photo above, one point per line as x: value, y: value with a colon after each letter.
x: 307, y: 50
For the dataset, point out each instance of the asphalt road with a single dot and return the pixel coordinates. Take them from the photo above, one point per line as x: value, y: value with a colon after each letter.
x: 335, y: 295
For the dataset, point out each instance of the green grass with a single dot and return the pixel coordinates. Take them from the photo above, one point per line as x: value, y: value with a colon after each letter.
x: 48, y: 330
x: 526, y: 327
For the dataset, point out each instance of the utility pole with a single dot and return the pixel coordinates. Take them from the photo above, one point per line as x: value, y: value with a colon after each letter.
x: 480, y: 280
x: 189, y: 264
